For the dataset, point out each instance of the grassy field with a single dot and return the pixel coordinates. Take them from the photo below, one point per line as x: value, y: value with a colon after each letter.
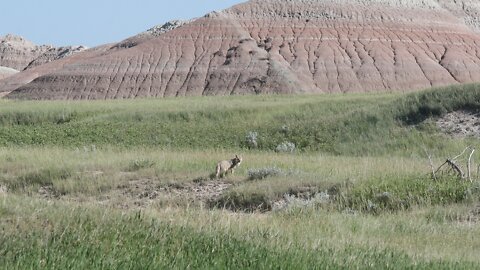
x: 327, y: 182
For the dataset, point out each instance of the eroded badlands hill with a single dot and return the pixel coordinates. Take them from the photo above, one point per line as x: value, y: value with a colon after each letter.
x: 20, y: 54
x: 277, y: 46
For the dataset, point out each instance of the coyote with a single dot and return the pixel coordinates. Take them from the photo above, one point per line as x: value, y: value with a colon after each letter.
x: 225, y: 166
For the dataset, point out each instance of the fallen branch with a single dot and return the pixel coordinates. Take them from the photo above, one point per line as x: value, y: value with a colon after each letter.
x: 438, y: 169
x: 456, y: 168
x: 453, y: 166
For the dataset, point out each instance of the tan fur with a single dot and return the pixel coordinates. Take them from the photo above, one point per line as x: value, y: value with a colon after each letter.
x: 226, y: 166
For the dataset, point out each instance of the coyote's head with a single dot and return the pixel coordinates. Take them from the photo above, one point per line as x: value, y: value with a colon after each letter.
x: 236, y: 161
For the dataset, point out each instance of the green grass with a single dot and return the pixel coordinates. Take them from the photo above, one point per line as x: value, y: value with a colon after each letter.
x: 356, y: 124
x: 375, y: 195
x: 184, y: 123
x: 355, y: 182
x: 69, y: 237
x: 111, y: 184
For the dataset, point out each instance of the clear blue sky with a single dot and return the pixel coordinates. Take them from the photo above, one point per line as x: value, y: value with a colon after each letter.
x: 95, y: 22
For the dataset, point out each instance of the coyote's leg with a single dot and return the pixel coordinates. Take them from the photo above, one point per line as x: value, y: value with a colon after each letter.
x: 217, y: 174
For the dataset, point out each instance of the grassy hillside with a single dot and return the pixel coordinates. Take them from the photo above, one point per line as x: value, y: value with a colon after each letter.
x: 337, y: 124
x: 126, y: 184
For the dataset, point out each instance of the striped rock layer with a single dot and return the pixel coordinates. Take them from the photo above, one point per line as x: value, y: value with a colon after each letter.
x: 276, y: 46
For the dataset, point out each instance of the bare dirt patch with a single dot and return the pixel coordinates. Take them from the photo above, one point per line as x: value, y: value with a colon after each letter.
x: 204, y: 191
x: 460, y: 124
x: 147, y: 188
x: 140, y: 193
x: 144, y: 192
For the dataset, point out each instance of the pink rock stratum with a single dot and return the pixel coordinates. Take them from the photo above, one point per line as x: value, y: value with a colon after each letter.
x: 276, y: 46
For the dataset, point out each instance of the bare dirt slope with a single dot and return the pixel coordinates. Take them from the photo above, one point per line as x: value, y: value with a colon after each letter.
x: 279, y: 46
x: 460, y: 124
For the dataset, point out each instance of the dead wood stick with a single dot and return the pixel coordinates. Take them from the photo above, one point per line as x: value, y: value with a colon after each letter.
x: 431, y: 164
x: 456, y: 168
x: 441, y: 166
x: 469, y: 164
x: 461, y: 154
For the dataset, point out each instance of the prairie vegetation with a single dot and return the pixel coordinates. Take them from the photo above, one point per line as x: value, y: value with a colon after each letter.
x: 327, y: 181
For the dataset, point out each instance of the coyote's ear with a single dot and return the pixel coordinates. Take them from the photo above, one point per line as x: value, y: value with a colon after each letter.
x: 236, y: 156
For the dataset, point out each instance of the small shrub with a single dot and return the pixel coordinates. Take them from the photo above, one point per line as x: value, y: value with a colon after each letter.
x: 285, y: 147
x: 251, y: 139
x: 262, y: 173
x: 139, y: 164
